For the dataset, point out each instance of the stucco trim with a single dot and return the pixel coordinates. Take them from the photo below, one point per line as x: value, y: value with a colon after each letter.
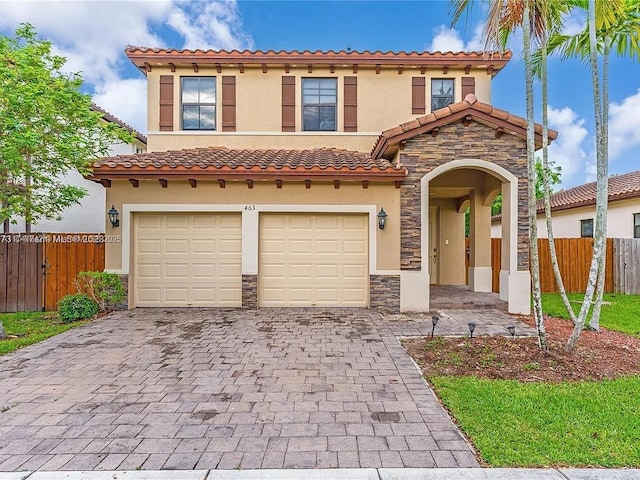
x: 250, y: 227
x: 217, y: 133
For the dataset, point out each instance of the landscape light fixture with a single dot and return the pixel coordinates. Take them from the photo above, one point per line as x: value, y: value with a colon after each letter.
x: 382, y: 218
x: 113, y: 217
x: 512, y: 330
x: 472, y: 327
x: 434, y: 322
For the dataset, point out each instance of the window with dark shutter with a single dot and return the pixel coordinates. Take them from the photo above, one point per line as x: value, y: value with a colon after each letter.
x: 418, y: 105
x: 166, y: 103
x: 350, y: 104
x: 228, y: 103
x: 198, y: 103
x: 288, y: 104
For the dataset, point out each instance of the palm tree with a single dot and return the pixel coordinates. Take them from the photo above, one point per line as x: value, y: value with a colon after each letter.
x: 613, y: 25
x: 533, y: 16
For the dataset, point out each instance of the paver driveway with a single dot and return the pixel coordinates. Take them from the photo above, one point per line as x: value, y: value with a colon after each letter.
x: 205, y: 388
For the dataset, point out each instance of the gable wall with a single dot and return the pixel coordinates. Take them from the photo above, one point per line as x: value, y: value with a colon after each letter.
x: 423, y: 153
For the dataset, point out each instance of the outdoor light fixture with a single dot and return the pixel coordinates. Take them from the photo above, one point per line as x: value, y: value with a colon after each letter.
x: 512, y: 330
x: 472, y: 327
x: 434, y: 322
x: 382, y: 218
x: 113, y: 217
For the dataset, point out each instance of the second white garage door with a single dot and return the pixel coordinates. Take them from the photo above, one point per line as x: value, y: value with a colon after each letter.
x: 188, y: 260
x: 313, y: 260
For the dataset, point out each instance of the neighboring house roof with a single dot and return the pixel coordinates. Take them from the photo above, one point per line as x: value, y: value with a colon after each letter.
x: 621, y: 187
x: 147, y: 58
x: 113, y: 119
x: 468, y: 109
x: 226, y: 163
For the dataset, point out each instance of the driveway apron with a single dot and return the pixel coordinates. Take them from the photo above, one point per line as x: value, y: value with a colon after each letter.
x: 223, y: 389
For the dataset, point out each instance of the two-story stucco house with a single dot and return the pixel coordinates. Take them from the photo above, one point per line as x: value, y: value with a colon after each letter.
x: 317, y: 179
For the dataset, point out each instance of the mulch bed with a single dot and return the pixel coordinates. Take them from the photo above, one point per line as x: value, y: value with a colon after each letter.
x: 597, y: 356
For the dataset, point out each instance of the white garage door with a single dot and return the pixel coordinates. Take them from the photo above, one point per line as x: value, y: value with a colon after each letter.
x: 188, y: 260
x: 313, y: 260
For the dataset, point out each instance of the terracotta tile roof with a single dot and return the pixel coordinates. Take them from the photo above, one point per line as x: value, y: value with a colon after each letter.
x: 493, y: 61
x: 221, y: 161
x: 469, y: 107
x: 621, y: 187
x: 113, y: 119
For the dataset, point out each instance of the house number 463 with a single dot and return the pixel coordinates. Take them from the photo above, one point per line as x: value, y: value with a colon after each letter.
x: 249, y: 208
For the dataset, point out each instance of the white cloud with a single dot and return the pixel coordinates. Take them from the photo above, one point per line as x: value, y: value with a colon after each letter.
x: 93, y: 36
x: 567, y: 150
x: 447, y: 39
x: 624, y: 125
x: 573, y: 22
x: 216, y: 25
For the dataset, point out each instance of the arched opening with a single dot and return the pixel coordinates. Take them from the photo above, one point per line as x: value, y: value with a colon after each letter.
x: 446, y: 191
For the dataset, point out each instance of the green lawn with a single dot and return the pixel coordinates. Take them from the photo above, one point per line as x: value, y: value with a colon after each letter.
x: 30, y: 327
x: 514, y: 424
x: 622, y: 315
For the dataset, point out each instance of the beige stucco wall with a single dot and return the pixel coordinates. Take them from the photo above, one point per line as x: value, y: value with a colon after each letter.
x: 566, y: 223
x: 263, y: 193
x: 451, y: 244
x: 384, y: 101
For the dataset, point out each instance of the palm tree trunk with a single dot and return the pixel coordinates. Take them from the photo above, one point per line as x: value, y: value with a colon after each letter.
x: 594, y: 324
x: 601, y: 186
x: 546, y: 188
x: 531, y: 169
x: 3, y: 334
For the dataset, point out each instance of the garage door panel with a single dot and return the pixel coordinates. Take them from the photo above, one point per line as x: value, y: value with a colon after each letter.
x: 309, y: 259
x: 188, y: 260
x: 149, y: 246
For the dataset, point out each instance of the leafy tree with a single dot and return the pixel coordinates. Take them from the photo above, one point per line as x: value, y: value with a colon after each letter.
x: 47, y: 129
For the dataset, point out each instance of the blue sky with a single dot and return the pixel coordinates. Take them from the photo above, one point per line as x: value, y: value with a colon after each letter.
x: 93, y: 35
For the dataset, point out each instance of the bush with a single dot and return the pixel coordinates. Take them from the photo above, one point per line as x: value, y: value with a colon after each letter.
x: 104, y: 288
x: 76, y: 307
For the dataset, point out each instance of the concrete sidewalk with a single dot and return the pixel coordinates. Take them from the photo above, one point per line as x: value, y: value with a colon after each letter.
x: 340, y: 474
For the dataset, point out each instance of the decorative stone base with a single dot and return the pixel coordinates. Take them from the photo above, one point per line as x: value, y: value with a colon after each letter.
x: 124, y: 304
x: 384, y: 292
x: 250, y: 291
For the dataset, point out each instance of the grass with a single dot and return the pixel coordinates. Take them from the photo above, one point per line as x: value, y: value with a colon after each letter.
x: 29, y: 328
x: 515, y: 424
x: 623, y: 315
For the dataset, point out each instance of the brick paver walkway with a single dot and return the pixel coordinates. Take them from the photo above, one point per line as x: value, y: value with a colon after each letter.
x: 225, y: 389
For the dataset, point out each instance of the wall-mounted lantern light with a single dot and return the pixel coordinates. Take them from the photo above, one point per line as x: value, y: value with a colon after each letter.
x: 382, y: 218
x: 113, y: 217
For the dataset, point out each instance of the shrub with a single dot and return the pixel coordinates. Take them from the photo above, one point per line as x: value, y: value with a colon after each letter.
x: 76, y: 307
x: 104, y: 288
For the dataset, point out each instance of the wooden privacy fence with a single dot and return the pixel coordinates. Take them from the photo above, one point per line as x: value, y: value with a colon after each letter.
x: 574, y: 260
x: 37, y: 270
x: 626, y: 266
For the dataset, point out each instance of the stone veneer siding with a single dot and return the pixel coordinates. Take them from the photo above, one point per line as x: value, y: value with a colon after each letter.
x: 250, y: 291
x: 423, y: 153
x: 124, y: 304
x: 384, y: 292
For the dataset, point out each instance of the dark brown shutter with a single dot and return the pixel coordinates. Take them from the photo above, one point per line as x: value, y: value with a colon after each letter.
x: 229, y: 103
x: 468, y: 86
x: 288, y: 104
x: 350, y: 104
x: 166, y: 103
x: 418, y: 95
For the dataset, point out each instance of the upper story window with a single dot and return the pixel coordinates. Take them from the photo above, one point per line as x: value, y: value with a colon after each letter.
x: 586, y: 228
x: 636, y: 225
x: 198, y: 103
x: 319, y: 99
x: 441, y: 93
